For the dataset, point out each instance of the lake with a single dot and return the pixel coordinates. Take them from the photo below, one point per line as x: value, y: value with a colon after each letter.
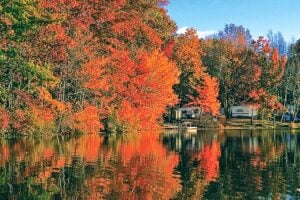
x: 239, y: 164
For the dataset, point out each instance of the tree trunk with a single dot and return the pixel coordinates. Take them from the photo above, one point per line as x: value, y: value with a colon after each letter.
x: 284, y: 104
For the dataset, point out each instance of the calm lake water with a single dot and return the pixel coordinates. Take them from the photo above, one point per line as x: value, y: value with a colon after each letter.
x: 209, y: 165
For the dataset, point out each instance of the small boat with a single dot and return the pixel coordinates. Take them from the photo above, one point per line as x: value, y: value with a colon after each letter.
x: 187, y: 126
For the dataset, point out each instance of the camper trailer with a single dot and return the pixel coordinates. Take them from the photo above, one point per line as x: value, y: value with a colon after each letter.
x: 247, y: 111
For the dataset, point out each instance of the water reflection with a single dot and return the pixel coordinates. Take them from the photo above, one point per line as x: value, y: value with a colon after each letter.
x: 88, y: 167
x: 207, y: 165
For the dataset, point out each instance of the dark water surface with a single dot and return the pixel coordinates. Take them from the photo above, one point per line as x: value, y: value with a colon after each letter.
x: 208, y: 165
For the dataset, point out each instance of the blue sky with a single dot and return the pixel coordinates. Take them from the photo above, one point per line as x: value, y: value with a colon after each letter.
x: 209, y: 16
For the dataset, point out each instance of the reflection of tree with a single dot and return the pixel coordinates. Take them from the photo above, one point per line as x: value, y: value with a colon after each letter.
x: 209, y: 160
x: 253, y: 166
x: 199, y: 165
x: 88, y: 167
x: 144, y: 170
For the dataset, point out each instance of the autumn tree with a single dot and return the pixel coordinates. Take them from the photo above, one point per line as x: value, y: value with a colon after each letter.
x: 187, y: 55
x: 109, y: 55
x: 272, y: 69
x: 290, y: 85
x: 72, y: 65
x: 196, y: 87
x: 233, y: 32
x: 243, y: 71
x: 20, y: 74
x: 235, y: 66
x: 207, y: 97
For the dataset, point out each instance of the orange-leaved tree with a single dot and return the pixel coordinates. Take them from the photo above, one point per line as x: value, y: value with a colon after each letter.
x: 207, y: 97
x: 135, y: 90
x: 108, y: 56
x: 272, y: 70
x: 196, y: 87
x: 187, y: 54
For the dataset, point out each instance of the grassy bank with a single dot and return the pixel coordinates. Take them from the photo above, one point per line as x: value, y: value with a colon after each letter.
x: 257, y: 124
x: 241, y: 124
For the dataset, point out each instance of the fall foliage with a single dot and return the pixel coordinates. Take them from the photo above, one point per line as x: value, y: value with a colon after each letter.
x: 244, y: 70
x: 187, y: 54
x: 83, y: 65
x: 208, y: 94
x: 119, y: 65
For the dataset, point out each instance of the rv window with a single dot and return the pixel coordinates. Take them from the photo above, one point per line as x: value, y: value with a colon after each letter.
x: 184, y: 112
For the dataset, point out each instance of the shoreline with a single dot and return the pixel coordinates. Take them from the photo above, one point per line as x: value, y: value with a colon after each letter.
x: 235, y: 124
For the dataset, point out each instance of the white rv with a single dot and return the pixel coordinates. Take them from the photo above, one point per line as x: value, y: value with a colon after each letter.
x: 244, y: 111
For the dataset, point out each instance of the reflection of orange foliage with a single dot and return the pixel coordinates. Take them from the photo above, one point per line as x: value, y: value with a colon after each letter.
x: 48, y: 153
x: 149, y: 168
x: 4, y: 153
x: 20, y: 149
x: 45, y: 173
x: 209, y: 160
x: 145, y: 145
x: 141, y: 168
x: 261, y: 158
x: 88, y: 146
x: 60, y: 162
x: 92, y: 145
x: 146, y: 167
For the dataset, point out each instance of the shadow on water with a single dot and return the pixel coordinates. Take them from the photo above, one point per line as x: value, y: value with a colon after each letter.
x: 243, y: 164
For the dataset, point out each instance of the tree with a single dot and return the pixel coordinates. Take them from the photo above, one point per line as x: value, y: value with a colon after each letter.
x: 272, y: 70
x: 236, y: 68
x: 271, y: 63
x: 134, y: 90
x: 108, y: 58
x: 66, y: 64
x: 20, y: 75
x: 207, y: 96
x: 290, y: 85
x: 243, y: 70
x: 187, y: 55
x: 277, y: 41
x: 233, y: 32
x: 196, y: 87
